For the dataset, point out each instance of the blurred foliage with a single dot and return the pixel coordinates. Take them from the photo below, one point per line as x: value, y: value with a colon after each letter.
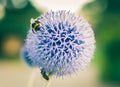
x: 15, y: 24
x: 104, y: 16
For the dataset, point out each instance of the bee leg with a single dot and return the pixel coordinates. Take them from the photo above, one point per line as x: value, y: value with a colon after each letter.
x: 33, y: 31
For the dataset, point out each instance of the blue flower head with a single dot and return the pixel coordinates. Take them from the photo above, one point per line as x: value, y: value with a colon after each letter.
x: 60, y: 43
x: 26, y: 57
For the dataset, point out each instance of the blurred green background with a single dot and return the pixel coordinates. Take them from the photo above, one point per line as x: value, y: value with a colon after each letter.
x: 104, y: 16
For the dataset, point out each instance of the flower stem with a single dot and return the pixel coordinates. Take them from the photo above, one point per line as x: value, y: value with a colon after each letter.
x: 31, y: 79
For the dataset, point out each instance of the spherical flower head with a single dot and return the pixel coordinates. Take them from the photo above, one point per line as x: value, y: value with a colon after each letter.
x: 63, y: 43
x: 26, y: 57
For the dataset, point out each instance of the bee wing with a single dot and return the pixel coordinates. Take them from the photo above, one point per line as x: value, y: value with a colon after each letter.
x: 32, y: 20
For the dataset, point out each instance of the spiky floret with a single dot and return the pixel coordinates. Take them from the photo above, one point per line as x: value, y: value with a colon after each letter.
x: 64, y: 43
x: 26, y: 57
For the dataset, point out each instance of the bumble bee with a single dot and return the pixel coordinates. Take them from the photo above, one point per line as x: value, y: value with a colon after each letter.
x: 44, y: 75
x: 35, y: 25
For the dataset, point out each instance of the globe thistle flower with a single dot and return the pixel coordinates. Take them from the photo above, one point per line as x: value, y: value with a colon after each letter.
x: 60, y: 43
x: 26, y: 57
